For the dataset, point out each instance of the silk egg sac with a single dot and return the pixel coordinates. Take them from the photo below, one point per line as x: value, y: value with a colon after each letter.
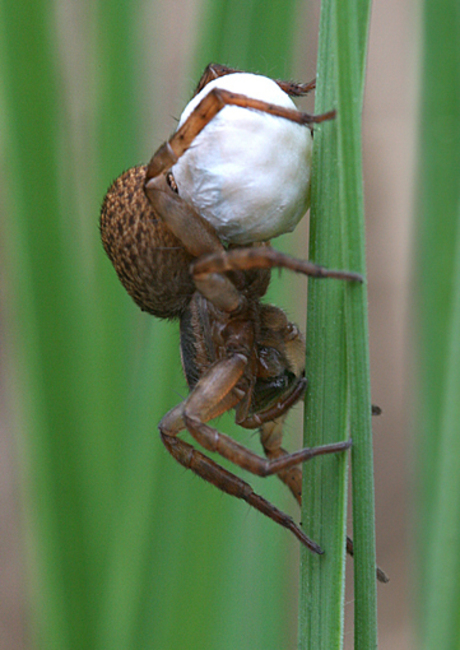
x: 247, y: 172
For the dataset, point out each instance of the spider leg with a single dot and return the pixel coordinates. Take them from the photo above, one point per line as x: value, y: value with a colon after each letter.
x: 263, y: 258
x: 271, y: 436
x: 217, y: 98
x: 211, y: 395
x: 210, y: 471
x: 381, y: 575
x: 217, y: 382
x: 215, y: 70
x: 296, y: 89
x: 213, y: 440
x: 198, y: 237
x: 215, y: 394
x: 211, y: 72
x: 193, y: 231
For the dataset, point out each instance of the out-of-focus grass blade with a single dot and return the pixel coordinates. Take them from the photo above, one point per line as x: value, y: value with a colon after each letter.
x: 440, y: 628
x: 337, y: 345
x: 437, y: 277
x: 57, y: 340
x: 249, y: 35
x: 68, y: 326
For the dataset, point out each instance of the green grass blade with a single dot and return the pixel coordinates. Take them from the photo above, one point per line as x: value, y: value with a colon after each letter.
x: 249, y: 35
x: 70, y: 402
x: 324, y: 487
x: 440, y: 628
x: 349, y: 105
x: 437, y: 275
x: 337, y: 352
x: 42, y: 266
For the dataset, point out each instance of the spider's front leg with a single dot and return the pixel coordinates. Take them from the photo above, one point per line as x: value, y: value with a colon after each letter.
x: 197, y: 236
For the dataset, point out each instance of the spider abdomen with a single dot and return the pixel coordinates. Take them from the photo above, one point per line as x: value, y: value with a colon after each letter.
x: 150, y: 261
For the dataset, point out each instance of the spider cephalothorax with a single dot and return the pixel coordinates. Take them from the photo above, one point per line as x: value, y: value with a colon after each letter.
x: 187, y: 259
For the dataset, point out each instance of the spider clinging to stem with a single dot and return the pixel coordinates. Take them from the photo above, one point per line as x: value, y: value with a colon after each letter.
x: 184, y: 249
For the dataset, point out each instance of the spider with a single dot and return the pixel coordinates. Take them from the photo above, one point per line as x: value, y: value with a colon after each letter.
x: 237, y: 352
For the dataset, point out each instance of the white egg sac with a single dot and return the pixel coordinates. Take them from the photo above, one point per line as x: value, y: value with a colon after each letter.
x: 247, y: 172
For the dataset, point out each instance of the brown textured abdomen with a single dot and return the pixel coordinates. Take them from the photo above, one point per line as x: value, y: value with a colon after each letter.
x: 150, y: 261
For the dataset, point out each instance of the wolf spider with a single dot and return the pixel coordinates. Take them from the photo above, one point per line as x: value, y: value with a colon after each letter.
x: 237, y: 353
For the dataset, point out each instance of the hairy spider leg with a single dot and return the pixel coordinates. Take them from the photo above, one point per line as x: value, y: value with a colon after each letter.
x: 211, y: 389
x: 271, y: 435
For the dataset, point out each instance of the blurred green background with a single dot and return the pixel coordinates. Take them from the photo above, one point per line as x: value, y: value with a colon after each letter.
x: 105, y: 542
